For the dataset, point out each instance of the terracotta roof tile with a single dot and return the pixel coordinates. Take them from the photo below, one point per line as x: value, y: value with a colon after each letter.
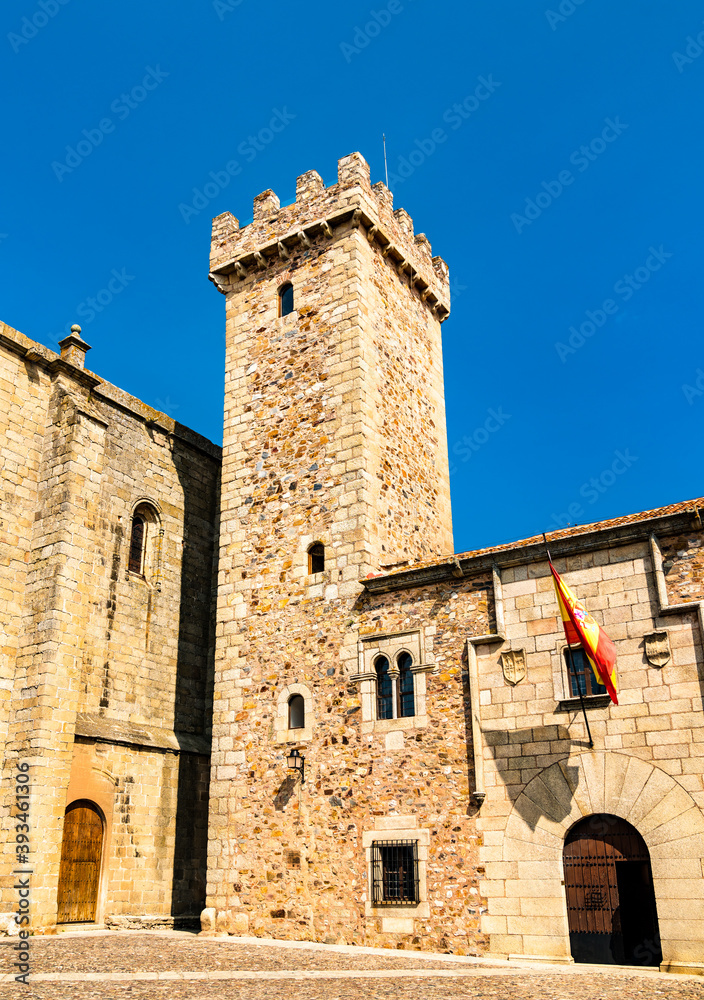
x: 582, y: 529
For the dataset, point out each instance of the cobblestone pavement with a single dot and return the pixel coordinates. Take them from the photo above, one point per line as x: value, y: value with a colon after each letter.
x: 173, y: 966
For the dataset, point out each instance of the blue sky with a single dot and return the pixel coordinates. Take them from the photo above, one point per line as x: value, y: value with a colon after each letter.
x: 552, y: 152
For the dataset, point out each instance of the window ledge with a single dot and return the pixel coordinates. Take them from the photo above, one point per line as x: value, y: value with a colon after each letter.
x: 408, y: 722
x: 419, y: 910
x: 590, y: 701
x: 295, y: 735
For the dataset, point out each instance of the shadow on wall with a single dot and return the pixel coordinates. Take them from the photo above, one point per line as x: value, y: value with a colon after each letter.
x: 199, y: 478
x: 683, y: 567
x: 510, y: 757
x: 472, y: 808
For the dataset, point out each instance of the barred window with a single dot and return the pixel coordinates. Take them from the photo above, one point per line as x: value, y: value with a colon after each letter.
x: 394, y: 872
x: 580, y: 673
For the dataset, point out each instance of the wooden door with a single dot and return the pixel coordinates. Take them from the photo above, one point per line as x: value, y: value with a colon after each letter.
x: 610, y: 897
x: 79, y: 875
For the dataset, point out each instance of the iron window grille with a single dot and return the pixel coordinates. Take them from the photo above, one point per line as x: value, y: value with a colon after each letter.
x: 394, y: 872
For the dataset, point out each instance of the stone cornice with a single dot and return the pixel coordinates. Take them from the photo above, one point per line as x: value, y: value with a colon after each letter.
x: 103, y: 392
x: 592, y: 539
x: 237, y: 267
x: 106, y: 730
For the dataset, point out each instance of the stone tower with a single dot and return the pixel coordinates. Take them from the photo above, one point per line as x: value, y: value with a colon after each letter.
x: 334, y: 433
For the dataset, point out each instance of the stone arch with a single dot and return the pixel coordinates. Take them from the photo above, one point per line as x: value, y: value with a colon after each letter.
x: 82, y: 862
x: 663, y: 812
x: 148, y: 511
x: 283, y: 733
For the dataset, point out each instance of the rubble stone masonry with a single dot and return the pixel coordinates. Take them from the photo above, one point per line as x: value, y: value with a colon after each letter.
x: 334, y: 433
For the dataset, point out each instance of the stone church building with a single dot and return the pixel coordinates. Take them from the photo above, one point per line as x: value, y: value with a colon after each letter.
x: 258, y: 692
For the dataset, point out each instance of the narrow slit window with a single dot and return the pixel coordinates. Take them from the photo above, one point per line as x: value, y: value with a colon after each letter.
x: 296, y: 712
x: 316, y: 558
x: 384, y: 690
x: 286, y: 299
x: 136, y: 557
x: 406, y: 699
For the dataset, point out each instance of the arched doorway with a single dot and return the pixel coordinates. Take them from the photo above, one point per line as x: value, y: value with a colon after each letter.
x: 79, y: 875
x: 610, y: 896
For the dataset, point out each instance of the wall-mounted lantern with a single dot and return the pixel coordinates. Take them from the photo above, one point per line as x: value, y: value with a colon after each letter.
x: 297, y: 763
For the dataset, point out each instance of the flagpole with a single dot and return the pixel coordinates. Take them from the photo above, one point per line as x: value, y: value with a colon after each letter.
x: 574, y: 672
x: 581, y: 698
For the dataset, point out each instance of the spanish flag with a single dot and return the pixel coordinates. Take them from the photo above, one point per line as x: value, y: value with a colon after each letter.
x: 581, y: 628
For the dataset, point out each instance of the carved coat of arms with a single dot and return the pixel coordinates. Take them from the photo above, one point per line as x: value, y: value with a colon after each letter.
x: 513, y: 663
x: 657, y: 648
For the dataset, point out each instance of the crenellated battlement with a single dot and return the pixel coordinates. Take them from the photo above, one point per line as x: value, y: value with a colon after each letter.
x: 277, y: 232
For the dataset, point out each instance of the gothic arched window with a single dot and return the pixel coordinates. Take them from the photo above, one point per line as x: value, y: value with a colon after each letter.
x: 143, y: 557
x: 406, y: 699
x: 136, y: 557
x: 286, y: 299
x: 384, y: 690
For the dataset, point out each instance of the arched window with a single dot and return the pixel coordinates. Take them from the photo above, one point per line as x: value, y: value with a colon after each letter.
x: 406, y: 700
x: 296, y: 712
x: 143, y: 558
x: 136, y: 558
x: 286, y: 299
x: 384, y: 690
x: 316, y: 558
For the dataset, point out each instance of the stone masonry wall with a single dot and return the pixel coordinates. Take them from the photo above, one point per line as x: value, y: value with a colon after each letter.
x: 24, y: 389
x: 647, y: 764
x: 288, y: 859
x: 321, y: 443
x: 683, y: 563
x: 145, y: 794
x: 84, y: 635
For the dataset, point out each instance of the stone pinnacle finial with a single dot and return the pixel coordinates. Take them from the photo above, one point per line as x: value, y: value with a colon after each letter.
x: 74, y: 348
